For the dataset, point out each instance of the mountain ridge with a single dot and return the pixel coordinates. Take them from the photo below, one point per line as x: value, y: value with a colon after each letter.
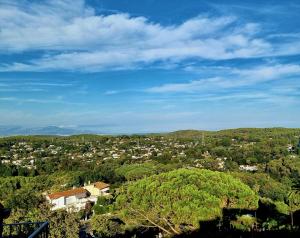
x: 68, y: 131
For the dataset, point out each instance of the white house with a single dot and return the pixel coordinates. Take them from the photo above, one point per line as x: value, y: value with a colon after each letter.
x: 97, y: 189
x: 250, y: 168
x: 75, y: 199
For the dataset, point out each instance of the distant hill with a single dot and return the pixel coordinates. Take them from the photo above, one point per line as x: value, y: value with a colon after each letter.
x: 64, y: 131
x: 187, y: 133
x: 237, y: 132
x: 48, y: 130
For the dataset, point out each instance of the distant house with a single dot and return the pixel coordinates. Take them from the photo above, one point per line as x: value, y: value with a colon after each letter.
x: 98, y: 189
x: 75, y: 199
x: 290, y: 148
x: 251, y: 168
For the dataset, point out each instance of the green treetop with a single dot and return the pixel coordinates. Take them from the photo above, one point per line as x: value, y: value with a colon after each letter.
x: 177, y: 201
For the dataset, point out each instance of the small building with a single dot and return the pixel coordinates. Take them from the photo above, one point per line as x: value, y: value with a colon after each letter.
x: 73, y: 199
x: 98, y: 189
x: 290, y: 148
x: 249, y: 168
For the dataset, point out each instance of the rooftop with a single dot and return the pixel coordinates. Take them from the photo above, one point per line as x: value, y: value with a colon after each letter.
x: 101, y: 185
x: 68, y: 193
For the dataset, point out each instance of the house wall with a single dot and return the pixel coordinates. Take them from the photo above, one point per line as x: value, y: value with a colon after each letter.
x: 104, y: 191
x: 58, y: 203
x: 96, y: 191
x: 75, y: 199
x: 92, y: 190
x: 70, y: 200
x: 77, y: 202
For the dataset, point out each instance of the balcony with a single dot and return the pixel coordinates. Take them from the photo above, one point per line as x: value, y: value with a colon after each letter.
x: 26, y: 230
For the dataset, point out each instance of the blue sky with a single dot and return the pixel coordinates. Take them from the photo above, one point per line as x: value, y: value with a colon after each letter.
x: 148, y: 66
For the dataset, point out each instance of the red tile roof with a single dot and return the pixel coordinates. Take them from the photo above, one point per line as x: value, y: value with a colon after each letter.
x: 68, y: 193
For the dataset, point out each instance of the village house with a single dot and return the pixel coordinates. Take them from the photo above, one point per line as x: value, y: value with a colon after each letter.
x: 75, y: 199
x: 97, y: 189
x: 290, y: 148
x: 249, y: 168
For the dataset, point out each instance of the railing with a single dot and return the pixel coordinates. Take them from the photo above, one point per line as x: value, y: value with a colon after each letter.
x: 26, y: 230
x: 41, y: 232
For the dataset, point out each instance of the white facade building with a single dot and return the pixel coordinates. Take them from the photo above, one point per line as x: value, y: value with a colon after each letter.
x: 76, y: 199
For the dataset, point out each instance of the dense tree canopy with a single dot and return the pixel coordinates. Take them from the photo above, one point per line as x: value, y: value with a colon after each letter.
x: 178, y: 200
x: 265, y: 185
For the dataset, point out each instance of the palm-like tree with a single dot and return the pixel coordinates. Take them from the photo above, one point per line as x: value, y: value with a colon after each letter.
x: 293, y: 200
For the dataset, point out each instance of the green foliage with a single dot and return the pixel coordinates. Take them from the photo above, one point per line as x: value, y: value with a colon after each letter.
x: 294, y: 203
x: 264, y: 184
x: 23, y: 199
x: 136, y: 171
x: 285, y: 167
x: 180, y: 199
x: 210, y: 163
x: 278, y: 206
x: 107, y: 226
x: 103, y: 205
x: 270, y: 224
x: 21, y: 192
x: 13, y: 170
x: 133, y: 172
x: 63, y: 224
x: 244, y: 222
x: 281, y: 207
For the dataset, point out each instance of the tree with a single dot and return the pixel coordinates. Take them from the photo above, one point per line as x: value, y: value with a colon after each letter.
x: 23, y: 199
x: 244, y: 222
x: 177, y: 201
x: 107, y: 226
x: 265, y: 185
x: 294, y: 204
x: 63, y: 224
x: 136, y: 171
x: 102, y: 205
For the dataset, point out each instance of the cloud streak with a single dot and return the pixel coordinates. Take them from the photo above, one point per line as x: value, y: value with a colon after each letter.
x: 38, y: 101
x: 233, y: 78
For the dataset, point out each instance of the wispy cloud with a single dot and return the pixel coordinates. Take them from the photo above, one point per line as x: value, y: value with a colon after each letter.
x: 251, y: 97
x: 111, y: 92
x: 38, y: 101
x: 81, y: 40
x: 22, y: 90
x: 232, y: 79
x: 47, y: 84
x: 11, y: 85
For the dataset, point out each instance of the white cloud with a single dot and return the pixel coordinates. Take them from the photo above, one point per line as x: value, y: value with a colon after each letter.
x: 191, y: 86
x: 78, y: 39
x: 38, y: 100
x: 251, y: 97
x: 111, y: 92
x: 232, y: 78
x: 270, y: 72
